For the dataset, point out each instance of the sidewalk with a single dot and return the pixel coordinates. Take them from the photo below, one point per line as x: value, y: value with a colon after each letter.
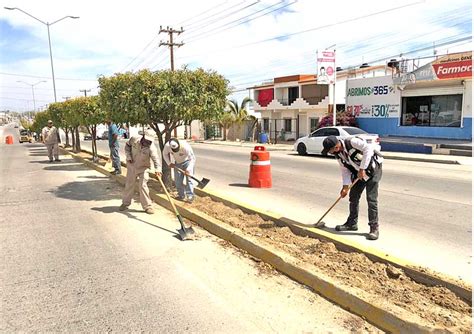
x: 417, y: 157
x: 73, y: 263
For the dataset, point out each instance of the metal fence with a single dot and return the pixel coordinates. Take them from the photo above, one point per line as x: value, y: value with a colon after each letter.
x: 280, y: 129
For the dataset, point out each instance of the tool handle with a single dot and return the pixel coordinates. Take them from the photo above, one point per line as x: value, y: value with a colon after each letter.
x: 169, y: 197
x: 337, y: 201
x: 184, y: 172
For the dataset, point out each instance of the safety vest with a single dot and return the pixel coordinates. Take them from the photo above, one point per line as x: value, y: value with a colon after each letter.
x: 355, y: 158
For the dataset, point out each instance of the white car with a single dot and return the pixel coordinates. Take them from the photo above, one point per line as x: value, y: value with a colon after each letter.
x: 313, y: 143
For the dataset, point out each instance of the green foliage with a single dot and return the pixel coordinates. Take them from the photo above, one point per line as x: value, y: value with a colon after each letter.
x: 166, y: 98
x: 240, y: 112
x: 40, y: 121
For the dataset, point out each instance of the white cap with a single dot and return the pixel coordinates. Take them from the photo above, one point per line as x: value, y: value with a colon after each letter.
x: 174, y: 144
x: 149, y: 135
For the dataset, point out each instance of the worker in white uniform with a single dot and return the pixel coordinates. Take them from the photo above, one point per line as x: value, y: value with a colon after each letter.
x: 178, y: 153
x: 139, y: 151
x: 51, y: 139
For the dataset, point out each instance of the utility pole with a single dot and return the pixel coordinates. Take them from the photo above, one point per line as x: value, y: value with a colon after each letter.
x: 171, y: 44
x: 66, y: 97
x: 85, y: 91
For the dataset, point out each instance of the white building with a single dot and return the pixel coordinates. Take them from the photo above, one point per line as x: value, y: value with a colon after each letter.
x: 292, y: 106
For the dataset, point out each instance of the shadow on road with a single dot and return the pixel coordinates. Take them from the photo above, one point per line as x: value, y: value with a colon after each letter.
x: 333, y: 231
x: 94, y: 190
x: 114, y: 209
x: 94, y: 177
x: 312, y: 156
x: 71, y: 168
x: 51, y: 163
x: 243, y: 185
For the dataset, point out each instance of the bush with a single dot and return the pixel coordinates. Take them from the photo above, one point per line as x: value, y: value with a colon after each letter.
x: 343, y: 118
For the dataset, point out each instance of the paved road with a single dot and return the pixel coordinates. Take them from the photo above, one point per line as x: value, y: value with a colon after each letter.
x: 71, y: 263
x: 425, y: 208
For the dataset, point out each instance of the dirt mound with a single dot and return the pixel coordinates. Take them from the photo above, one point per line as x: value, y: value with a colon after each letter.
x: 437, y: 305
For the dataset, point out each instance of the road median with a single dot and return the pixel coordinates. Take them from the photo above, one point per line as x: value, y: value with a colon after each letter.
x: 390, y: 293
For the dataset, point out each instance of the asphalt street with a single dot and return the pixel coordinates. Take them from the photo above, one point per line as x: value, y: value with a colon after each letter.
x: 70, y: 262
x: 425, y: 208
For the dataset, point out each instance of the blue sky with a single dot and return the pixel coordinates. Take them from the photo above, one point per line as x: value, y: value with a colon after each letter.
x: 247, y: 41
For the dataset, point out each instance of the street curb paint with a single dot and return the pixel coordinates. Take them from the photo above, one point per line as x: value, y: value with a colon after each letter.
x: 376, y: 314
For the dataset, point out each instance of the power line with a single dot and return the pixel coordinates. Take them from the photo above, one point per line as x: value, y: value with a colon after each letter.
x: 206, y: 34
x: 40, y: 77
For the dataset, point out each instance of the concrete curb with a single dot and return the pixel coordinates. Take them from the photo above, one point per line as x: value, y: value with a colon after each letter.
x: 298, y: 228
x: 387, y: 155
x: 412, y: 270
x: 290, y: 266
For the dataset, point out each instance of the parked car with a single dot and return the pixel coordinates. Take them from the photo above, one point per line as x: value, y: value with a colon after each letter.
x: 87, y: 137
x: 313, y: 143
x: 105, y: 135
x: 25, y: 136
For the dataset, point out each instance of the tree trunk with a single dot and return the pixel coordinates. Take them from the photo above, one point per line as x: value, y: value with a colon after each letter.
x: 78, y: 140
x: 66, y: 131
x: 225, y: 132
x: 163, y: 137
x: 73, y: 139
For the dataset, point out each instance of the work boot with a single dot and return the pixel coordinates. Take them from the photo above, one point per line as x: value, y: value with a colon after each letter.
x: 150, y: 211
x: 58, y: 160
x: 123, y: 207
x: 189, y: 199
x: 374, y: 232
x: 347, y: 227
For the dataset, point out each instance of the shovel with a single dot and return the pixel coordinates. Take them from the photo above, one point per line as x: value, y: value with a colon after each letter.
x: 185, y: 233
x: 201, y: 183
x: 320, y: 222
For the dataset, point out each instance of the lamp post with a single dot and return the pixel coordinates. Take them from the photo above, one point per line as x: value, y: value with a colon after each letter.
x: 33, y: 90
x: 47, y: 24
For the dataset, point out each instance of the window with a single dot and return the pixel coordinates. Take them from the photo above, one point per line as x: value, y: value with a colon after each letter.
x: 313, y: 124
x: 439, y: 110
x: 266, y: 125
x: 354, y: 131
x: 287, y: 124
x: 293, y: 94
x: 324, y: 132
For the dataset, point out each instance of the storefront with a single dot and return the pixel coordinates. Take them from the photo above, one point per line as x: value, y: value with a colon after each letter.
x: 433, y: 101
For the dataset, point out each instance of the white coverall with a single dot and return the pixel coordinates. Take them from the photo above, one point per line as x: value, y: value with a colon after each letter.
x: 139, y: 166
x: 50, y: 139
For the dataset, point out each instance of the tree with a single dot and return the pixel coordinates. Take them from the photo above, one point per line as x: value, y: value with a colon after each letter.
x: 40, y: 121
x: 164, y: 100
x: 89, y: 114
x: 58, y: 114
x: 240, y: 114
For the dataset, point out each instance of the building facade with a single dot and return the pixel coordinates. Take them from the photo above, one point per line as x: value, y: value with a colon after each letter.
x: 292, y: 106
x: 432, y: 101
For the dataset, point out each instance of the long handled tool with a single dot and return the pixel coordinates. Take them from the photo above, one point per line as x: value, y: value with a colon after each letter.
x: 185, y: 233
x: 320, y: 222
x: 201, y: 183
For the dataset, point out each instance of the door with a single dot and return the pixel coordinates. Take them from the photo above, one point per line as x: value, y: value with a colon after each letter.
x: 316, y: 140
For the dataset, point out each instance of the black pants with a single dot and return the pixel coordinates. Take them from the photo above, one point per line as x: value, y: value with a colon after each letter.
x: 371, y: 187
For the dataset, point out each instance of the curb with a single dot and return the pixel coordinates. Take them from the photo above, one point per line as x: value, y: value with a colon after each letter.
x: 298, y: 228
x: 386, y: 156
x: 412, y: 270
x: 288, y: 265
x: 376, y: 314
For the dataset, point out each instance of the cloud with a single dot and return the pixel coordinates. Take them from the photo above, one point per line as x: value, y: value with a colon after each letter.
x: 111, y: 34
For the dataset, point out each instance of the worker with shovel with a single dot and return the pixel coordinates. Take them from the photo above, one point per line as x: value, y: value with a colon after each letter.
x: 361, y: 168
x: 139, y: 151
x: 178, y: 154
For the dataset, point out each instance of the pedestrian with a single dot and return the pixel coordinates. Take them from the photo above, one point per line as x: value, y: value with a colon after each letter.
x: 362, y: 161
x: 139, y: 151
x: 178, y: 153
x: 50, y: 136
x: 114, y: 147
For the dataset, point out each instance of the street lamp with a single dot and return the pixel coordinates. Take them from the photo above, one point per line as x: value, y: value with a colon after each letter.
x: 47, y: 24
x: 33, y: 90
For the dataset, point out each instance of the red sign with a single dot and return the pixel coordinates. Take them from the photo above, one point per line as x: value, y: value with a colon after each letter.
x: 452, y: 70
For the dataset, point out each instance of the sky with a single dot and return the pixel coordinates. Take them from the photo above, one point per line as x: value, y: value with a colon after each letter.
x: 247, y: 41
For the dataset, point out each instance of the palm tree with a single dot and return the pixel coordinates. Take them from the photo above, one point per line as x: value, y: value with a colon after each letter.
x: 240, y: 112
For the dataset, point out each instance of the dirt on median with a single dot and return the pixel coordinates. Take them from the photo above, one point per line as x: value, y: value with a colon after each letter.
x: 383, y: 283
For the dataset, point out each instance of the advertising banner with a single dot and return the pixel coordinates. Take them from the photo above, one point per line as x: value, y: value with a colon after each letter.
x: 453, y: 66
x: 326, y: 67
x: 373, y: 97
